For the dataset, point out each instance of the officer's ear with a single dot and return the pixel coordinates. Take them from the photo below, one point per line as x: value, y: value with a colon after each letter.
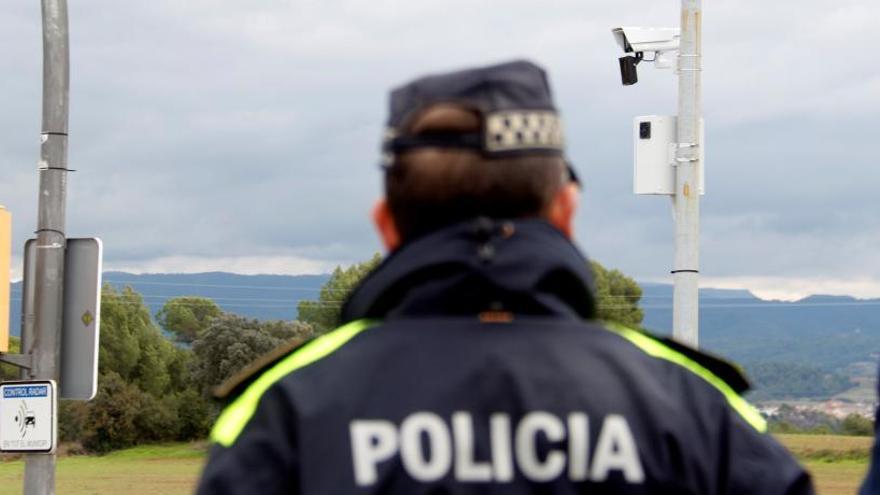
x: 385, y: 226
x: 563, y: 207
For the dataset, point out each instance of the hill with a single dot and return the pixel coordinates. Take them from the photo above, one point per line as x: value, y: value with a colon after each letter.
x: 831, y: 332
x: 265, y: 297
x: 787, y: 346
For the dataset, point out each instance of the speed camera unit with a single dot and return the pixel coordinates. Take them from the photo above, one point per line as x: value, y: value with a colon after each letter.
x: 654, y: 144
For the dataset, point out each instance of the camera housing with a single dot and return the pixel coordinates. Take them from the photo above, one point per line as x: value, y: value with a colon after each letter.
x: 638, y: 40
x: 641, y: 39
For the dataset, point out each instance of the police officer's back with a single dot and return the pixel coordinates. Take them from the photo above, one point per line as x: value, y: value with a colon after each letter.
x: 871, y: 483
x: 469, y: 361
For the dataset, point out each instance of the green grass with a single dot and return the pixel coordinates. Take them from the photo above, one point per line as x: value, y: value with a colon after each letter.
x: 166, y: 469
x: 828, y: 447
x: 837, y: 478
x: 175, y: 450
x: 837, y: 463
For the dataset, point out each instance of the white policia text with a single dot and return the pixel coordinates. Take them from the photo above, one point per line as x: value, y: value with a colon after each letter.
x: 429, y: 448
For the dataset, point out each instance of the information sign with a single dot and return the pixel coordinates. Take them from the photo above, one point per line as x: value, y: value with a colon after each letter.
x: 27, y: 417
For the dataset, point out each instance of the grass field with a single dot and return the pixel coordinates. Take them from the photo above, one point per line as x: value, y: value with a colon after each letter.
x: 170, y: 469
x: 837, y: 463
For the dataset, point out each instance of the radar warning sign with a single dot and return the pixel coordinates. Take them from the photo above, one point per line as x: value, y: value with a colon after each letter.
x: 27, y: 417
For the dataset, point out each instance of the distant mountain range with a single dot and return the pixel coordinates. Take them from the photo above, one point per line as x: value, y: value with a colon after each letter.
x: 829, y: 332
x: 265, y: 297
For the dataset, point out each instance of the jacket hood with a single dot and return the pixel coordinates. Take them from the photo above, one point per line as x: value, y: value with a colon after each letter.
x: 521, y: 266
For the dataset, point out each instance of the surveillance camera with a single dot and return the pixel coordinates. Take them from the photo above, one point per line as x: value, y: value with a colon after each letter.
x: 628, y: 73
x: 640, y: 39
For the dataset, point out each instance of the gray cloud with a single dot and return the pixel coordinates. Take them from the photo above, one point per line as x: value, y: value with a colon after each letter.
x: 242, y: 130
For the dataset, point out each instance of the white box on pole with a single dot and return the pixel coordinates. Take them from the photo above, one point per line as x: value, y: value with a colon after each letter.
x: 654, y: 142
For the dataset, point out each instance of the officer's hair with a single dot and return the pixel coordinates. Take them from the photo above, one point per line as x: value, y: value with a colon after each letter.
x: 429, y: 188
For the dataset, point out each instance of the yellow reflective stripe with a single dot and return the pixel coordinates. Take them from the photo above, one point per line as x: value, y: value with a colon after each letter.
x: 658, y: 350
x: 234, y: 418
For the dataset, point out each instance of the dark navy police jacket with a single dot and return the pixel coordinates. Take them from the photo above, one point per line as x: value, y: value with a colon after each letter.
x: 469, y: 363
x: 871, y: 485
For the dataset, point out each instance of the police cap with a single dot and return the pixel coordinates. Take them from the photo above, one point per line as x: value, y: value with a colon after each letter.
x: 512, y: 99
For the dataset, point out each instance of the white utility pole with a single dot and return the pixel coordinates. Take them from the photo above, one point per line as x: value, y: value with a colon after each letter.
x: 686, y: 309
x: 44, y: 346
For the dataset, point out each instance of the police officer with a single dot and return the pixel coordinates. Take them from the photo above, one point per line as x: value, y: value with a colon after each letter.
x: 871, y: 485
x: 469, y: 361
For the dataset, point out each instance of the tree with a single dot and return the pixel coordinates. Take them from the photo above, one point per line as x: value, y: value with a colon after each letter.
x: 123, y: 318
x: 145, y: 389
x: 617, y: 297
x: 232, y: 342
x: 775, y: 380
x: 8, y: 371
x: 132, y: 346
x: 323, y: 314
x: 187, y: 317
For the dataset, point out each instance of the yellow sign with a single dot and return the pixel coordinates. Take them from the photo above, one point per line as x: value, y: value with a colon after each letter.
x: 5, y: 254
x: 87, y: 318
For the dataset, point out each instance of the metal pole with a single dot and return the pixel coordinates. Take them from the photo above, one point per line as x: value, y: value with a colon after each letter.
x: 685, y: 312
x: 39, y: 475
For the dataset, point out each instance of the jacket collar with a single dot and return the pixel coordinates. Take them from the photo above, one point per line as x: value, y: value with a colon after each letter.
x: 523, y: 267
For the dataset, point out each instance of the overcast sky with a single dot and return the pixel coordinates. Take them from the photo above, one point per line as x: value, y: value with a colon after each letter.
x: 243, y: 136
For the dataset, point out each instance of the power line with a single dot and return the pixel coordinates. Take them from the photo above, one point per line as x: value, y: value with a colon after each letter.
x: 312, y: 303
x: 225, y: 286
x: 257, y: 299
x: 225, y: 305
x: 17, y: 289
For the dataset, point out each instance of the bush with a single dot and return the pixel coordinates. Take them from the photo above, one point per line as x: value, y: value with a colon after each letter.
x: 195, y: 415
x: 821, y: 430
x: 858, y: 425
x: 783, y: 427
x: 150, y: 390
x: 157, y: 420
x: 111, y: 420
x: 72, y: 416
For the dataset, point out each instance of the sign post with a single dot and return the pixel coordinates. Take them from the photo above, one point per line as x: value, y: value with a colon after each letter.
x: 685, y: 272
x: 39, y: 470
x: 686, y: 153
x: 61, y: 290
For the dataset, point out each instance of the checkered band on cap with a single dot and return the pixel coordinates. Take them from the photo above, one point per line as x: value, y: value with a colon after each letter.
x: 522, y: 130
